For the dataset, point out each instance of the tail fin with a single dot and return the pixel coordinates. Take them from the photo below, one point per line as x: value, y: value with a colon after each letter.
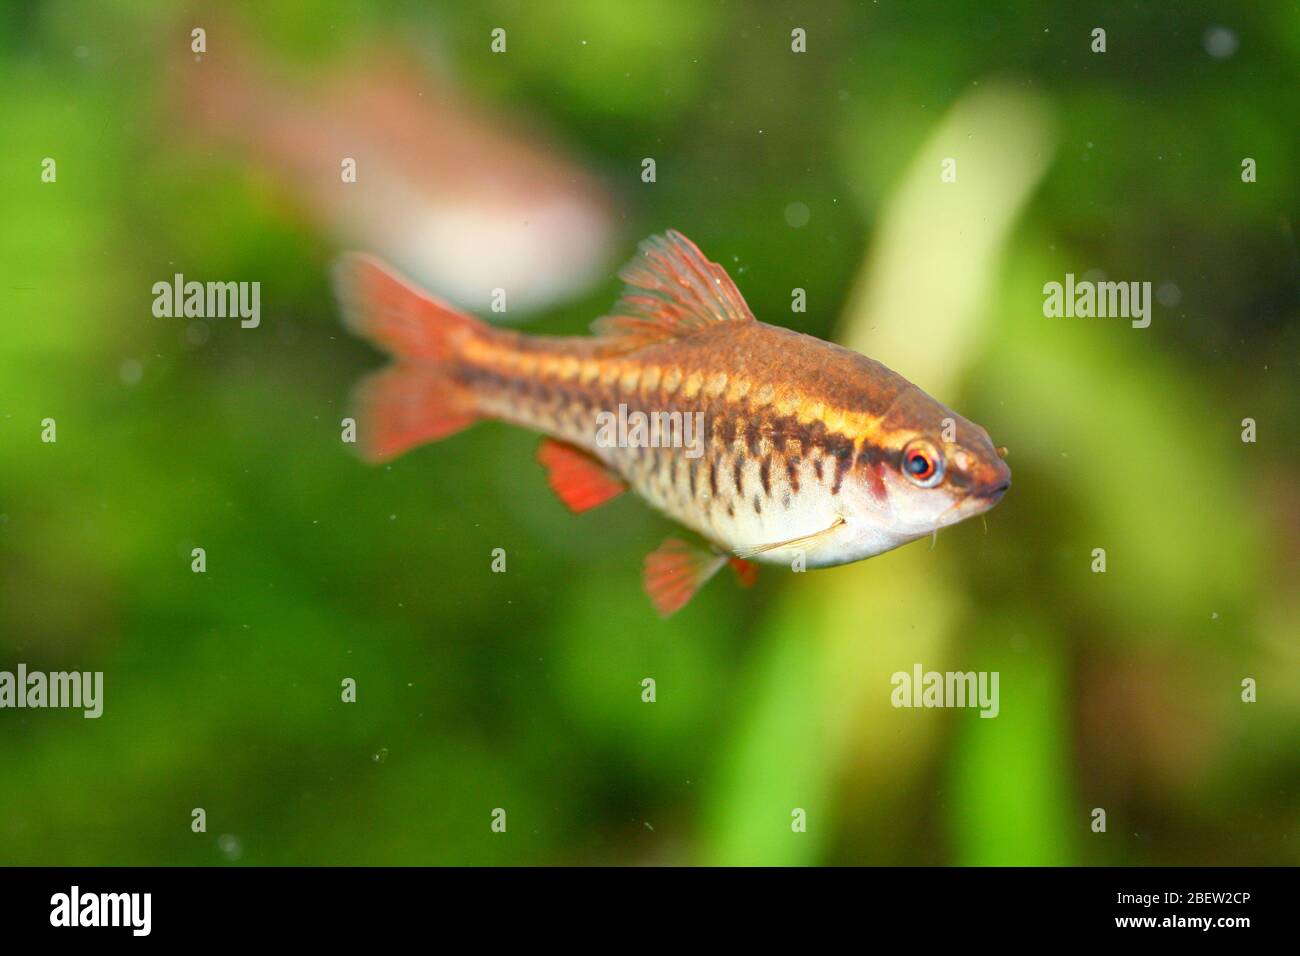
x: 415, y: 400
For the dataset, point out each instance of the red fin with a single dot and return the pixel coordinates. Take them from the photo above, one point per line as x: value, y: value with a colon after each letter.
x: 414, y: 400
x: 675, y: 571
x: 671, y: 290
x: 746, y: 571
x: 407, y: 405
x: 381, y: 306
x: 578, y: 478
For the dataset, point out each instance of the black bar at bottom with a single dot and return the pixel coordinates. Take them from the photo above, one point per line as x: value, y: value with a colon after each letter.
x: 333, y: 904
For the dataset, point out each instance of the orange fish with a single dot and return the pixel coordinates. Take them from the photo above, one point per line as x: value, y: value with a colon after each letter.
x: 383, y: 155
x: 772, y: 445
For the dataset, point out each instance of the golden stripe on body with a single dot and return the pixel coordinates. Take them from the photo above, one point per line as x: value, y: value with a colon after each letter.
x: 651, y: 381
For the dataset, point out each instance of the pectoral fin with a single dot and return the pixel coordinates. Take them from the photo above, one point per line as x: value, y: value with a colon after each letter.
x: 806, y: 542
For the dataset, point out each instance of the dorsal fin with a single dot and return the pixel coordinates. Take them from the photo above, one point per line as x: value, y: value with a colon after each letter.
x: 671, y: 290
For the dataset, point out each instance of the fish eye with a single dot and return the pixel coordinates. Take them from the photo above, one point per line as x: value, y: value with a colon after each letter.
x: 922, y: 463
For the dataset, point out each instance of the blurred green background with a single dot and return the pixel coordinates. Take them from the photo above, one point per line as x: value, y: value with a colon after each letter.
x: 522, y: 690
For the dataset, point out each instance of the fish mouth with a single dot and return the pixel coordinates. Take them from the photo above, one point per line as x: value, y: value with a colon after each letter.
x: 993, y: 492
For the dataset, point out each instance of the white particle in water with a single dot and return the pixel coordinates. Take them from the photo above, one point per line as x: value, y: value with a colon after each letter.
x: 130, y: 371
x: 1220, y: 42
x: 229, y: 846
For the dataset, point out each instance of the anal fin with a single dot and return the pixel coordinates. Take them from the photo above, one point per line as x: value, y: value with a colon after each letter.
x: 675, y: 571
x: 579, y: 479
x: 746, y: 571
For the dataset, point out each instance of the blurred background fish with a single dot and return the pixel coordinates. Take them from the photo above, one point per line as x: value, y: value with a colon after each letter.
x: 391, y: 157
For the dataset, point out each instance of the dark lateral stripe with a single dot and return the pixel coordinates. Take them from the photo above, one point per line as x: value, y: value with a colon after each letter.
x: 792, y: 472
x: 843, y: 462
x: 727, y: 423
x: 765, y: 476
x: 870, y: 454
